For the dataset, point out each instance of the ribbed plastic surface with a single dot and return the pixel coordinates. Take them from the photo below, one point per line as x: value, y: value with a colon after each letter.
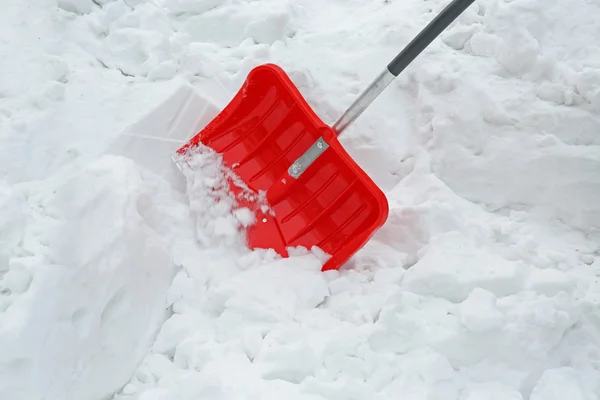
x: 333, y: 205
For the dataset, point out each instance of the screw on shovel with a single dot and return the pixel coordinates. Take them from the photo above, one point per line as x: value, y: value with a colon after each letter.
x: 393, y: 69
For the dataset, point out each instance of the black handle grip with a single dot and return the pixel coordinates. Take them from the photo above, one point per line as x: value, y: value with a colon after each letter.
x: 427, y: 35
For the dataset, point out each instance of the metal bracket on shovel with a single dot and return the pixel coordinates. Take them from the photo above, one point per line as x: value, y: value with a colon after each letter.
x: 306, y: 159
x: 316, y: 194
x: 352, y: 113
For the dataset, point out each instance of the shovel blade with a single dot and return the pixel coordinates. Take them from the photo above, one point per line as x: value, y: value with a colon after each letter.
x: 266, y: 127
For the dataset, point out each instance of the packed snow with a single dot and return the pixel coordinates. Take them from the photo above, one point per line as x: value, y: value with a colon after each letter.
x: 125, y: 278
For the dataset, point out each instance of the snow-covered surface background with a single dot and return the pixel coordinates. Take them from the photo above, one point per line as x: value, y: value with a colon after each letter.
x: 120, y: 280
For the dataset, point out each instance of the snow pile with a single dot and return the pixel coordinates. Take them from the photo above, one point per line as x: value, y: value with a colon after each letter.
x: 83, y: 264
x: 523, y: 150
x: 121, y: 279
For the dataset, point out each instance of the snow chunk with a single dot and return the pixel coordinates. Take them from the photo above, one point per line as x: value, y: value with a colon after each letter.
x: 550, y: 281
x: 163, y: 71
x: 432, y: 379
x: 410, y: 321
x: 459, y: 36
x: 452, y: 268
x: 269, y: 28
x: 479, y: 312
x: 76, y: 6
x: 252, y: 342
x: 491, y: 391
x: 587, y: 83
x: 190, y: 6
x: 17, y: 280
x: 175, y: 330
x: 483, y: 44
x: 12, y: 221
x: 286, y: 354
x: 93, y: 276
x: 518, y: 52
x: 264, y: 22
x: 559, y: 384
x: 284, y: 286
x: 141, y: 41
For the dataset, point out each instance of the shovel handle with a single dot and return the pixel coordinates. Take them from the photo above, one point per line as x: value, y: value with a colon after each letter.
x: 401, y: 61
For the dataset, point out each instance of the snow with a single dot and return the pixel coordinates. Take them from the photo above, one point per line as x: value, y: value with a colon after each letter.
x: 124, y: 278
x: 69, y: 297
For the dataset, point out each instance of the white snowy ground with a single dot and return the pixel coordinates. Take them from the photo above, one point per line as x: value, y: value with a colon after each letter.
x: 116, y: 282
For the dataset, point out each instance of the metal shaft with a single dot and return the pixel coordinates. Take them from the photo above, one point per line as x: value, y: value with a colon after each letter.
x: 382, y: 81
x: 401, y: 61
x: 363, y: 101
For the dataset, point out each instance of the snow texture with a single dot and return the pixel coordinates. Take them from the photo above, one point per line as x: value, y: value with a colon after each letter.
x: 124, y: 278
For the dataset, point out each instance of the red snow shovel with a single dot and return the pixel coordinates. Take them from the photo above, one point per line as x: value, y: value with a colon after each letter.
x: 273, y: 141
